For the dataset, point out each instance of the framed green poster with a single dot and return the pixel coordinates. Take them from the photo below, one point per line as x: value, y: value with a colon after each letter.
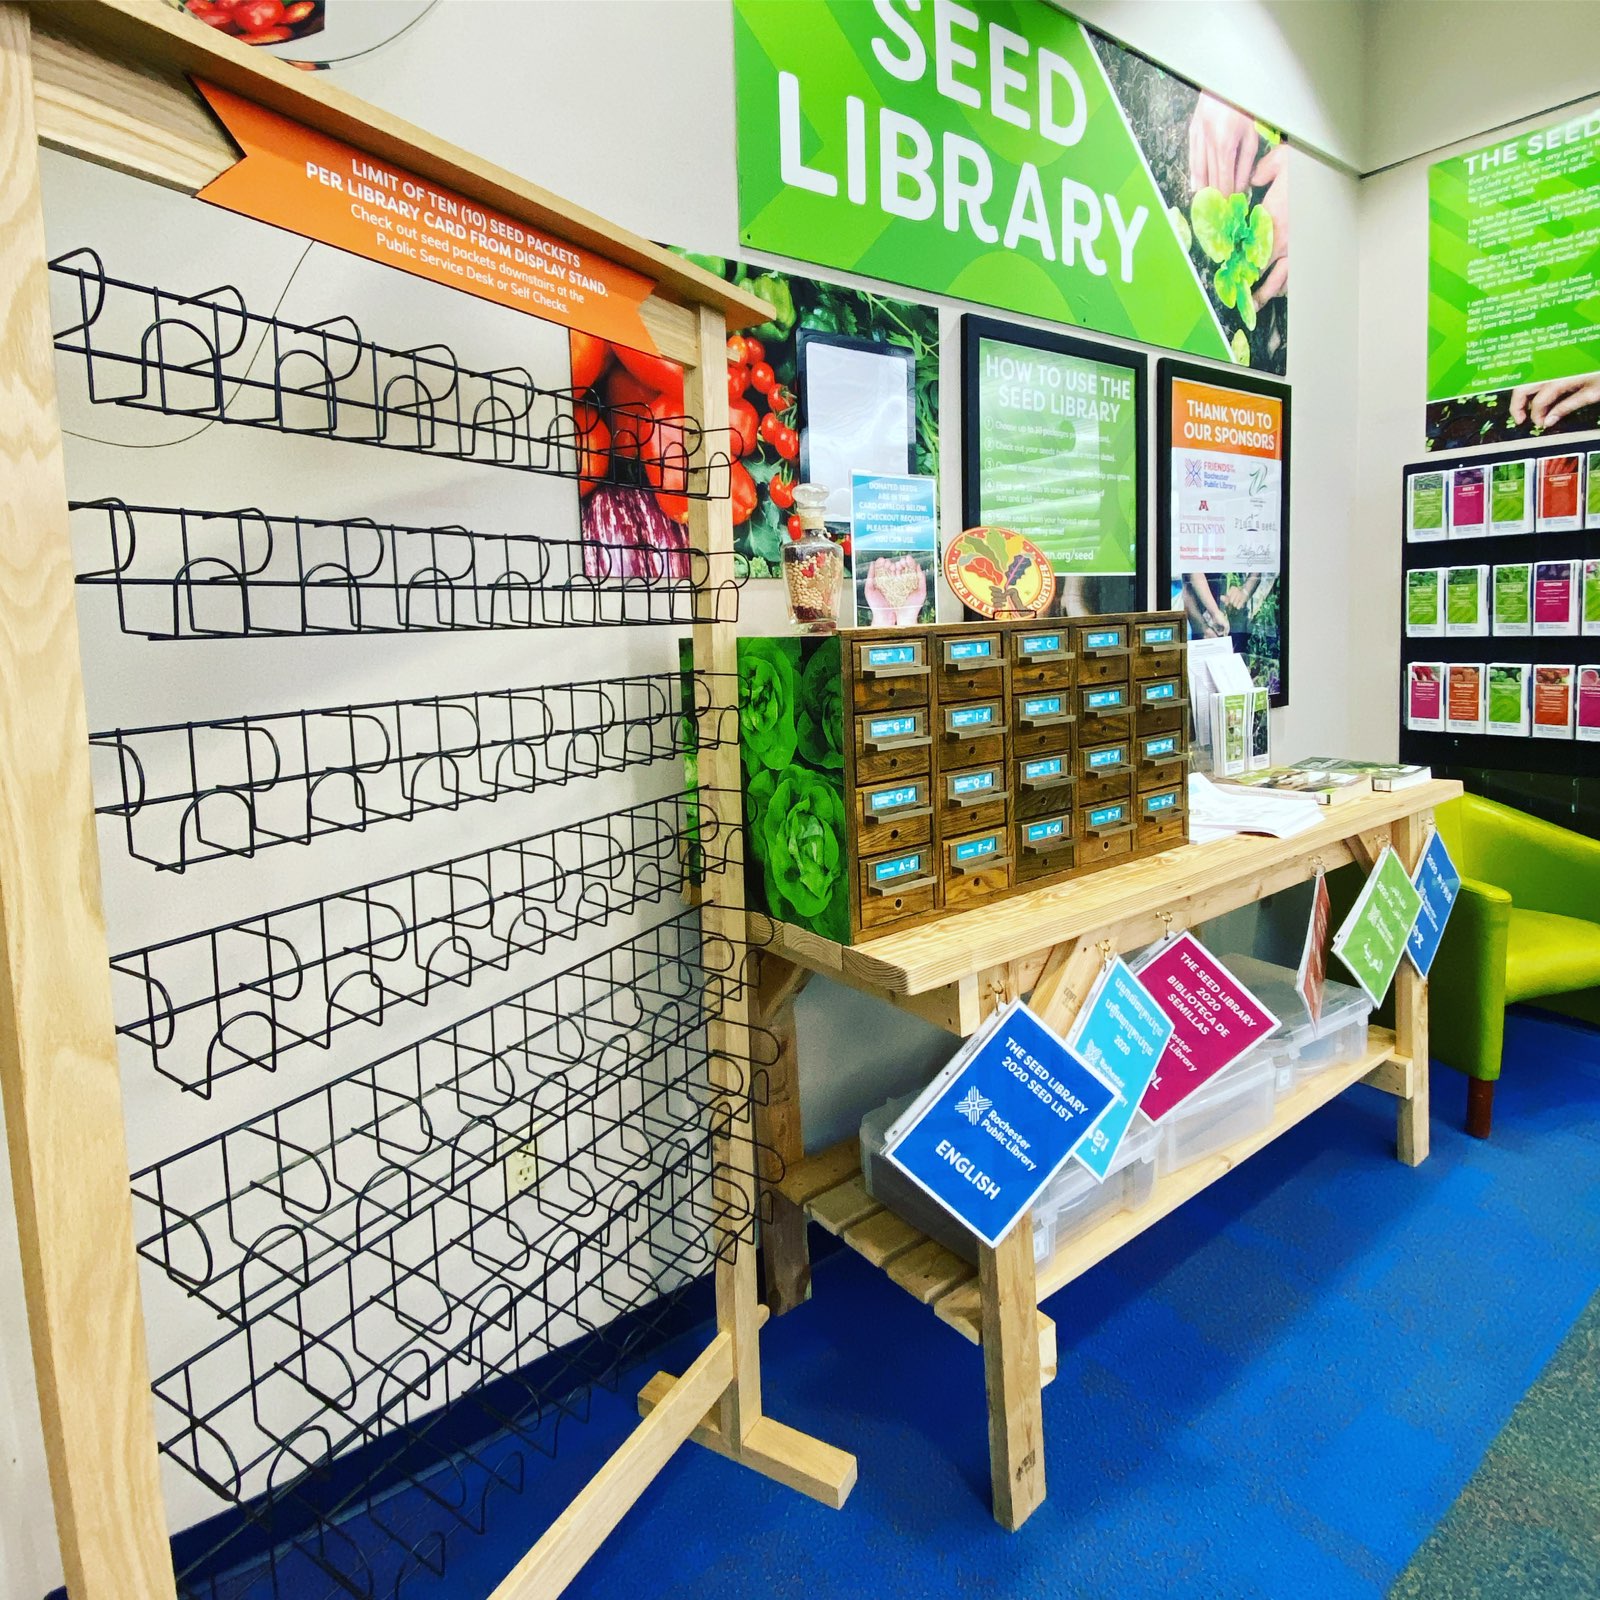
x: 1053, y: 433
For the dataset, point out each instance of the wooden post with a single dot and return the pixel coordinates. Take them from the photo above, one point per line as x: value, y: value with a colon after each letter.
x: 1012, y: 1379
x: 1411, y: 1012
x: 785, y: 1250
x: 58, y: 1052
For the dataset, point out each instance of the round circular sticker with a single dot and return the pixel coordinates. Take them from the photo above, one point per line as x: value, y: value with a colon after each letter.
x: 998, y: 573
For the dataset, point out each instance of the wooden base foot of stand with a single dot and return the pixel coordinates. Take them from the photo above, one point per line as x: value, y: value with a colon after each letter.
x: 791, y: 1458
x: 1480, y: 1106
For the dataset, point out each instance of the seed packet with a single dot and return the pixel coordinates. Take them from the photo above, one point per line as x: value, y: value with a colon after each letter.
x: 1469, y: 502
x: 1513, y: 598
x: 1463, y: 697
x: 1510, y: 497
x: 1560, y: 494
x: 1425, y: 696
x: 1507, y: 697
x: 1424, y: 602
x: 1555, y: 597
x: 1425, y: 506
x: 1553, y: 701
x: 1589, y: 703
x: 1466, y: 601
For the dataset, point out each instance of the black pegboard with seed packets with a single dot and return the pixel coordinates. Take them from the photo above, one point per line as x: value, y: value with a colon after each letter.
x: 1513, y: 537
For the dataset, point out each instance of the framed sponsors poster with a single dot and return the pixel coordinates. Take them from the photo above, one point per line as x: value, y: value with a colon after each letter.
x: 1053, y: 431
x: 1222, y: 497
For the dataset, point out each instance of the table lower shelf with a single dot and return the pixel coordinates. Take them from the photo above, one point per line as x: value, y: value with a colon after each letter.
x: 829, y: 1188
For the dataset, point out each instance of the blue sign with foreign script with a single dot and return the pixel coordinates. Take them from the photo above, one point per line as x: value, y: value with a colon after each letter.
x: 995, y: 1129
x: 1121, y: 1032
x: 1438, y: 882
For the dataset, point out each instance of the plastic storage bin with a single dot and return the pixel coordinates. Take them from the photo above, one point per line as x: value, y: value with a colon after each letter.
x: 1301, y: 1048
x: 1231, y: 1106
x: 1071, y: 1202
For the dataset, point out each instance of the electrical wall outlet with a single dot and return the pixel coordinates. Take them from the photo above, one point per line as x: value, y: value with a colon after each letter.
x: 522, y: 1169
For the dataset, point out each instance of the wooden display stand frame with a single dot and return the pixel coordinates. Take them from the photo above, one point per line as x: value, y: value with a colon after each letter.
x: 106, y: 80
x: 1049, y: 946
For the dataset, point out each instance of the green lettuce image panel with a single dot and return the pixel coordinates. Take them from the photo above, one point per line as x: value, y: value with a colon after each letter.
x: 797, y: 838
x: 1042, y: 202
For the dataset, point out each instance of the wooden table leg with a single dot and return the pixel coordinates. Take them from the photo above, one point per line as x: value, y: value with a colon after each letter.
x: 1411, y: 1014
x: 785, y: 1250
x: 1011, y: 1376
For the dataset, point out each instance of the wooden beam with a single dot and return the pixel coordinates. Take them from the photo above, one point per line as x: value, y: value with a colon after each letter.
x: 1393, y: 1076
x: 1012, y: 1376
x: 151, y: 37
x: 1411, y: 1013
x: 59, y: 1073
x: 793, y: 1459
x: 785, y: 1250
x: 601, y: 1504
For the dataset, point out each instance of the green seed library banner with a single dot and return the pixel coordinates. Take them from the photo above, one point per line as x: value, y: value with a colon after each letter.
x: 1008, y: 155
x: 1513, y: 301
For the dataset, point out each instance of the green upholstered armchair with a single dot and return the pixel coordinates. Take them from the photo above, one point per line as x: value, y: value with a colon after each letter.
x: 1526, y: 926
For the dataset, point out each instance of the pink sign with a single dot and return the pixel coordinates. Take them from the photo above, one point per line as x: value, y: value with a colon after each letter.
x: 1427, y: 694
x: 1466, y: 499
x: 1215, y: 1020
x: 1589, y: 702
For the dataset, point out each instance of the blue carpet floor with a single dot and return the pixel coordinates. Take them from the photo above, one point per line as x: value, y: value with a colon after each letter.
x: 1277, y: 1392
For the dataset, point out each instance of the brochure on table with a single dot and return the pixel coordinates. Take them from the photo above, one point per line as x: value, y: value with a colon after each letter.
x: 1437, y: 884
x: 994, y: 1127
x: 1215, y: 1020
x: 1372, y: 939
x: 1121, y: 1032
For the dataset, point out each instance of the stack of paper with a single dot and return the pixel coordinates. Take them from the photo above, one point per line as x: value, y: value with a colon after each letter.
x: 1216, y: 812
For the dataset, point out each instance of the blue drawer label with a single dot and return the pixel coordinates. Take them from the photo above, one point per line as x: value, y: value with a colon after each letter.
x: 1049, y: 768
x: 888, y: 799
x: 1156, y: 635
x: 891, y: 655
x: 1161, y: 802
x: 890, y: 727
x: 972, y: 717
x: 1102, y: 699
x: 1160, y: 747
x: 1112, y: 756
x: 1101, y: 815
x: 1105, y: 639
x: 1041, y: 644
x: 968, y: 649
x: 1046, y: 706
x: 972, y: 782
x: 900, y: 867
x: 1055, y: 828
x: 1161, y: 691
x: 973, y: 848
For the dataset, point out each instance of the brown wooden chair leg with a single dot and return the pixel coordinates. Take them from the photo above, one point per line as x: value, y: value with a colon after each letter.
x: 1480, y: 1106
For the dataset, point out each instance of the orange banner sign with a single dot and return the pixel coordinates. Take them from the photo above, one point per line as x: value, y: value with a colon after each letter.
x: 320, y: 188
x: 1207, y: 418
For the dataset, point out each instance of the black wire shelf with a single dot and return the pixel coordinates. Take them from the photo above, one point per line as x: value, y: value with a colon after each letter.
x: 417, y: 1233
x: 189, y: 792
x: 208, y: 355
x: 182, y: 573
x: 251, y: 994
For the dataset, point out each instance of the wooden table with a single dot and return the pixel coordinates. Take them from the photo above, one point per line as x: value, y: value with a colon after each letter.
x: 1050, y: 946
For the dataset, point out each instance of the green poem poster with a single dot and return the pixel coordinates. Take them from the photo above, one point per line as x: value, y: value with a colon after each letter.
x: 1008, y: 155
x: 1513, y: 298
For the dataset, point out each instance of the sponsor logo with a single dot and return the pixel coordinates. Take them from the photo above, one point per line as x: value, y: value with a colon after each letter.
x: 972, y: 1106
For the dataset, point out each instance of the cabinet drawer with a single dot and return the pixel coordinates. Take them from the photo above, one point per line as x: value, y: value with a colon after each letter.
x: 1049, y: 838
x: 897, y: 885
x: 1162, y: 704
x: 1162, y: 760
x: 1041, y: 658
x: 1042, y: 784
x: 970, y: 732
x: 1042, y: 722
x: 1105, y: 833
x: 890, y: 672
x: 1104, y: 772
x: 892, y: 745
x: 1102, y: 650
x: 1158, y: 645
x: 975, y: 866
x: 970, y: 797
x: 893, y: 816
x: 969, y: 666
x: 1105, y: 711
x: 1163, y: 819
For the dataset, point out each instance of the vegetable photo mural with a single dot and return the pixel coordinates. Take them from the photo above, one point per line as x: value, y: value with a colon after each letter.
x: 771, y: 409
x: 796, y: 834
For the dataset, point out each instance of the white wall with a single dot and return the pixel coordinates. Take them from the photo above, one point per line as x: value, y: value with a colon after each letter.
x: 1439, y: 73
